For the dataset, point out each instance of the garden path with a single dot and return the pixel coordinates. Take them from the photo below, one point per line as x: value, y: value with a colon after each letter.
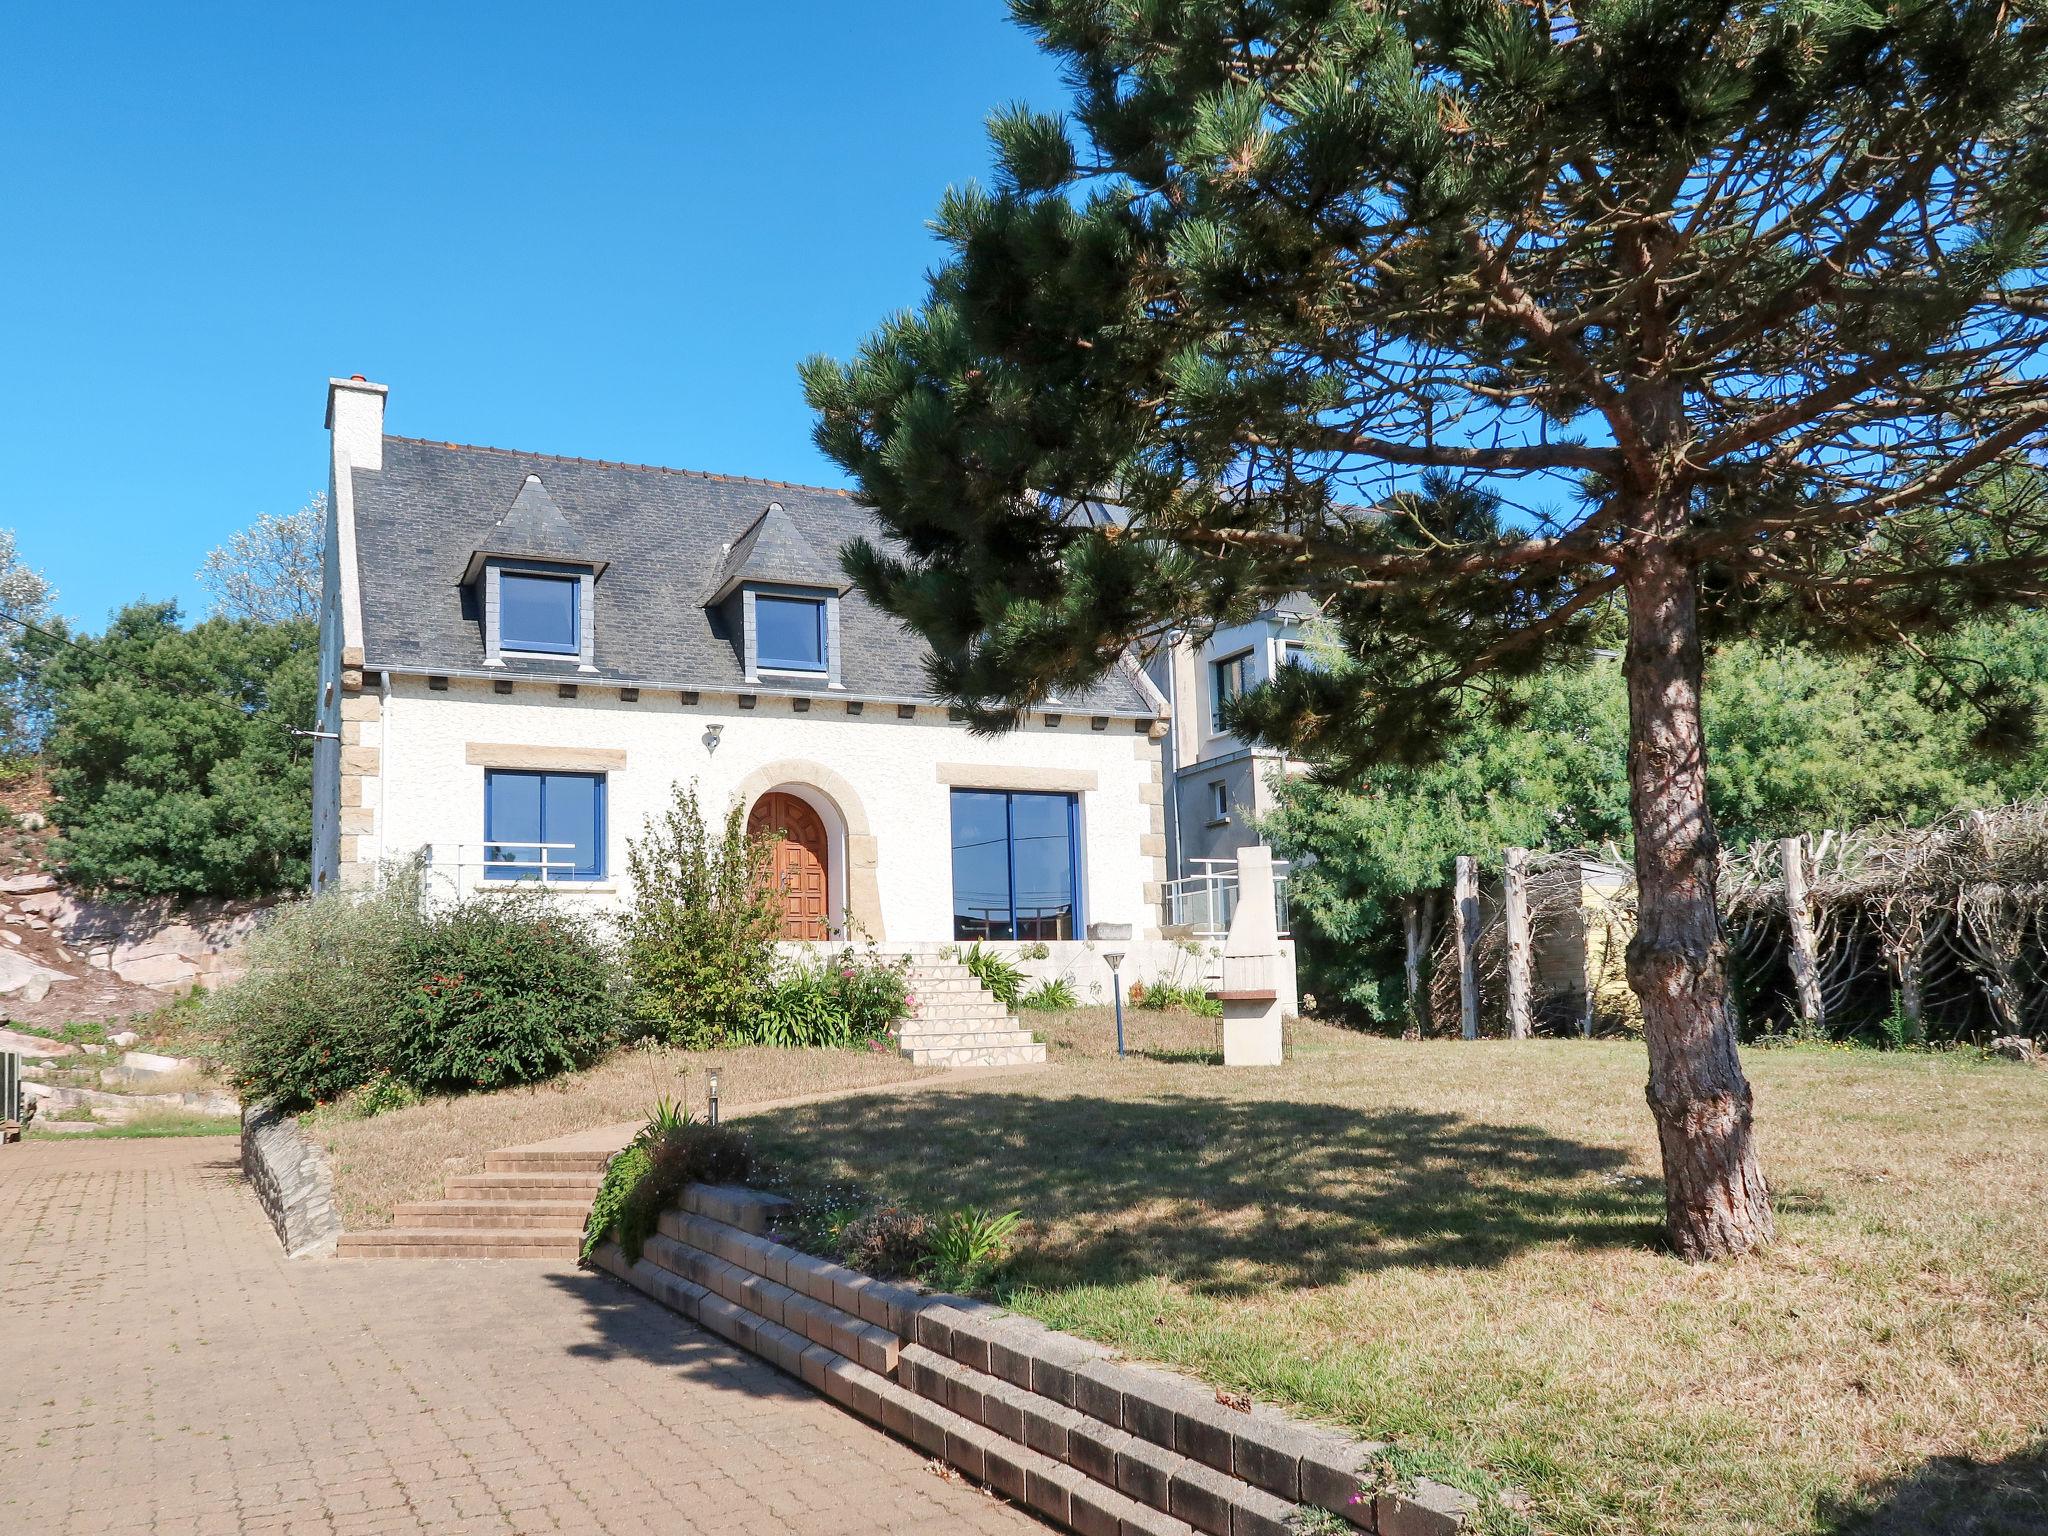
x: 168, y: 1370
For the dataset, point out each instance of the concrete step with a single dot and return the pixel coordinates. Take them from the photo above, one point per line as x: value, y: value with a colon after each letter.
x: 539, y: 1160
x: 978, y: 1056
x: 534, y: 1215
x: 944, y: 1039
x: 523, y: 1186
x: 1098, y: 1448
x: 480, y: 1243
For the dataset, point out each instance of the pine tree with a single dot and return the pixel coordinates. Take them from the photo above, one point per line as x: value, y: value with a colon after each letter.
x: 1462, y: 317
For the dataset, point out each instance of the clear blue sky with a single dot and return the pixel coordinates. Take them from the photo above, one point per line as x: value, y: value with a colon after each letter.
x: 546, y: 227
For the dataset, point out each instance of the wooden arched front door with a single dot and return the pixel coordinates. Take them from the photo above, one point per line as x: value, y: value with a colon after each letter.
x: 802, y: 863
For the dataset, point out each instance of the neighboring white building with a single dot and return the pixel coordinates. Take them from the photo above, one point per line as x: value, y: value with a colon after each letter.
x: 1218, y: 785
x: 522, y: 655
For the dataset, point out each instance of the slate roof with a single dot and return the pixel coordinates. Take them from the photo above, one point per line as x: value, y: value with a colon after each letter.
x: 775, y: 549
x: 664, y: 539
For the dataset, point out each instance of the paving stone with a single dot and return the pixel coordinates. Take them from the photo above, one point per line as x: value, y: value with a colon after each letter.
x: 447, y: 1396
x: 1342, y: 1476
x: 1202, y: 1496
x: 1429, y: 1508
x: 1004, y: 1461
x: 1150, y: 1399
x: 1145, y: 1471
x: 1266, y: 1451
x: 1205, y: 1432
x: 1049, y: 1489
x: 1047, y: 1425
x: 1092, y: 1449
x: 1254, y: 1512
x: 1144, y: 1521
x: 1098, y: 1388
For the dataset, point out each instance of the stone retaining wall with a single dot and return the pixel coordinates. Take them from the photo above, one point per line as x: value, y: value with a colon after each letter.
x: 289, y: 1173
x: 1051, y: 1421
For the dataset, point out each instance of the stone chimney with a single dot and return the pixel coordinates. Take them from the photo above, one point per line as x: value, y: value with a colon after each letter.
x: 355, y: 415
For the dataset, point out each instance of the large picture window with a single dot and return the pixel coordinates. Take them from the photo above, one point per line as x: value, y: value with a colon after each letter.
x: 524, y: 811
x: 789, y: 632
x: 539, y: 613
x: 1016, y: 866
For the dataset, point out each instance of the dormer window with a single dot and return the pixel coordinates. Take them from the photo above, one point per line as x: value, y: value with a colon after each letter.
x: 790, y: 632
x: 777, y: 599
x: 534, y: 583
x: 540, y: 613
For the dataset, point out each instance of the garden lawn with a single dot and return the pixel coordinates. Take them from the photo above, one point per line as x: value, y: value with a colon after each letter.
x: 407, y: 1154
x: 1454, y: 1247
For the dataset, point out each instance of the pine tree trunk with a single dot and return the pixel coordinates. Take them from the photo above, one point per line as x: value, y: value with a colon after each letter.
x: 1715, y: 1202
x: 1801, y: 949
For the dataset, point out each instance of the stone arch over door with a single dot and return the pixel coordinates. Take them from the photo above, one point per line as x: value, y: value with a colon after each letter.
x: 815, y: 782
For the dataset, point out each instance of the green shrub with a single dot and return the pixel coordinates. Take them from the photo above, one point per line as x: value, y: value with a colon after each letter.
x: 622, y: 1175
x: 874, y: 993
x: 506, y: 988
x: 965, y: 1247
x: 844, y: 1001
x: 311, y: 1019
x: 1168, y: 994
x: 693, y: 1153
x: 888, y: 1242
x: 1001, y: 978
x: 1052, y: 996
x: 699, y: 938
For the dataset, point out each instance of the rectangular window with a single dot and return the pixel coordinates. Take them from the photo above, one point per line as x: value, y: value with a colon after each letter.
x: 1016, y: 865
x: 1293, y: 653
x: 543, y: 825
x: 1228, y: 678
x: 789, y: 632
x: 539, y: 613
x: 1219, y: 801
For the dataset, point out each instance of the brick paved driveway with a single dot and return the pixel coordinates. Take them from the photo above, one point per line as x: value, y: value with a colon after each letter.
x: 164, y: 1369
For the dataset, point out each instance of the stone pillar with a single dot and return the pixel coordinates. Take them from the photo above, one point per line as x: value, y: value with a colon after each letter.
x: 1253, y: 984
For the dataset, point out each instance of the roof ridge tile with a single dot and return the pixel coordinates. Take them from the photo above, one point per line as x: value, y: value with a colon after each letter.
x: 656, y: 469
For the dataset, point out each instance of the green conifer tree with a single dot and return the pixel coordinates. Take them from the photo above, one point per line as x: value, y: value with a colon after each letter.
x: 1462, y: 316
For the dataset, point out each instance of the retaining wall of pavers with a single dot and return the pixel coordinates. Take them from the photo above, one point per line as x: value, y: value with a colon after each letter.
x: 293, y: 1183
x: 1051, y: 1421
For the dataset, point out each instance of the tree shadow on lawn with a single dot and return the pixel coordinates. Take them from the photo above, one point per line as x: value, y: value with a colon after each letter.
x: 1955, y: 1495
x: 1230, y: 1196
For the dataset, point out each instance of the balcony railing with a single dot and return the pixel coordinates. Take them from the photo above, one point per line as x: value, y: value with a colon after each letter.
x: 458, y: 869
x: 1207, y: 900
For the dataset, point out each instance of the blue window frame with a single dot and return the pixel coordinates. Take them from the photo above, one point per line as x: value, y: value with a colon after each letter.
x: 523, y: 808
x: 789, y: 632
x: 1228, y: 678
x: 1016, y: 865
x: 540, y: 613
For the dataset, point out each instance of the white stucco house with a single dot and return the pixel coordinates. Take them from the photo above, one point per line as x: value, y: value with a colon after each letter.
x: 522, y: 654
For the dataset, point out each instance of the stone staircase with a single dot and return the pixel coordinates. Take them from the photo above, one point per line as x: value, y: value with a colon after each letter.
x: 958, y: 1022
x: 1054, y: 1423
x: 528, y: 1203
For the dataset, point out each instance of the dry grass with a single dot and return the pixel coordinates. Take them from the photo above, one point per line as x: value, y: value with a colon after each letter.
x: 406, y: 1154
x: 1454, y: 1247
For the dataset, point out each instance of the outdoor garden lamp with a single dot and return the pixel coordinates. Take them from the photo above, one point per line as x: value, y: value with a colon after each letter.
x: 1115, y: 960
x: 711, y: 1083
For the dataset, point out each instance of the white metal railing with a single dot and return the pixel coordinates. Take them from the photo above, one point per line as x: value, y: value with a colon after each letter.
x: 459, y: 869
x: 1206, y: 901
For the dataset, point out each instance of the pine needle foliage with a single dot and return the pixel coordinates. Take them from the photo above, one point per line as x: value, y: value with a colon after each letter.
x: 1468, y: 318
